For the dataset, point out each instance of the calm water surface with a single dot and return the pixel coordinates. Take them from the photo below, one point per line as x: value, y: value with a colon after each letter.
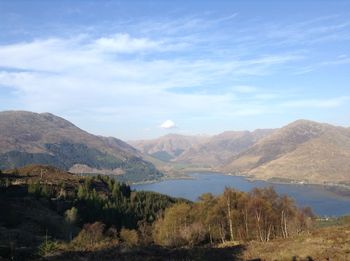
x: 322, y: 201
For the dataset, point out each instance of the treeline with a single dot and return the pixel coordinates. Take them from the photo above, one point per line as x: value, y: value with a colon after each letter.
x: 233, y: 216
x: 105, y: 200
x: 100, y: 212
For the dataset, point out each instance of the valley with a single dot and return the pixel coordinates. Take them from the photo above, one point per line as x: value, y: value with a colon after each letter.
x: 174, y: 130
x: 79, y: 202
x: 303, y: 152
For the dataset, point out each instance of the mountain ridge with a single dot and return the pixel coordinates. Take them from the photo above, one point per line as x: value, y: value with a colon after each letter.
x: 301, y: 151
x: 43, y: 138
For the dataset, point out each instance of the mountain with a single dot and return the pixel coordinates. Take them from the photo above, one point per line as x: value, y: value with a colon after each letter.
x: 303, y: 150
x: 200, y: 151
x: 32, y: 138
x: 168, y: 147
x: 219, y: 148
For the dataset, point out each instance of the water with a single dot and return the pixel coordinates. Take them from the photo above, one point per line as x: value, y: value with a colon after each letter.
x: 322, y: 201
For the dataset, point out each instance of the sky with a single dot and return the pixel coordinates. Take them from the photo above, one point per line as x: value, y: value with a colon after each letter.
x: 142, y: 69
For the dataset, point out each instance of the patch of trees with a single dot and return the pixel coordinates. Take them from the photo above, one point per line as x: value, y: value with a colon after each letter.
x: 99, y: 211
x: 233, y: 216
x: 105, y: 200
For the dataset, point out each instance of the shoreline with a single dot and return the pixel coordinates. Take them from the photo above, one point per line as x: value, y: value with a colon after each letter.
x: 338, y: 189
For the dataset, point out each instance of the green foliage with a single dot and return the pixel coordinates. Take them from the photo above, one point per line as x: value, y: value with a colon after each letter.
x: 47, y: 247
x: 102, y: 207
x: 34, y: 188
x: 82, y: 192
x: 119, y: 206
x: 40, y: 190
x: 65, y: 155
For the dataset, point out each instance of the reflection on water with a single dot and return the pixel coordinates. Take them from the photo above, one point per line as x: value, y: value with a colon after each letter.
x: 322, y: 201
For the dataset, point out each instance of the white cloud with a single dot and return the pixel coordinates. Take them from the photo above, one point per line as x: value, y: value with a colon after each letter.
x: 168, y: 124
x: 125, y: 77
x: 124, y: 43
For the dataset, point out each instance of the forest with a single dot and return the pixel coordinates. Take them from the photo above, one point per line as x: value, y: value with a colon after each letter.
x: 91, y: 213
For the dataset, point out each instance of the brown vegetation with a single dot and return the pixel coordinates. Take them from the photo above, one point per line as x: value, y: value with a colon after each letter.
x: 303, y: 150
x: 100, y: 219
x: 330, y: 243
x: 43, y: 138
x: 233, y: 216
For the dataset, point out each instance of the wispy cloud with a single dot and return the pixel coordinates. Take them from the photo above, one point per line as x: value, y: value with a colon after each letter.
x: 317, y: 103
x: 178, y: 69
x: 123, y: 43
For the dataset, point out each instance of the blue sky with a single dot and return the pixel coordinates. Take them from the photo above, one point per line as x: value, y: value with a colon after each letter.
x: 141, y: 69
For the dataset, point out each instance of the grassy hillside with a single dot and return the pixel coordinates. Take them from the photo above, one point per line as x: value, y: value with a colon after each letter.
x: 55, y: 215
x: 31, y: 138
x: 327, y: 243
x: 303, y: 150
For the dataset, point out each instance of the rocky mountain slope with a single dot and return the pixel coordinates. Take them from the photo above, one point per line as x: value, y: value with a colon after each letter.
x: 168, y: 147
x: 205, y: 151
x: 303, y: 150
x: 219, y: 148
x: 28, y: 138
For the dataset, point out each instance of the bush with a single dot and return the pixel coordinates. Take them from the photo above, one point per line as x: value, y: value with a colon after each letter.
x: 130, y: 237
x: 169, y: 230
x: 47, y: 247
x: 90, y: 235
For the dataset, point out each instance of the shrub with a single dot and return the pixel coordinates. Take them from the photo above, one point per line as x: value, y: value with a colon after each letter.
x: 130, y: 237
x: 47, y: 247
x: 90, y: 235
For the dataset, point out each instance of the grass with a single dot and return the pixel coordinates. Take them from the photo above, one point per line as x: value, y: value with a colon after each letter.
x: 327, y: 243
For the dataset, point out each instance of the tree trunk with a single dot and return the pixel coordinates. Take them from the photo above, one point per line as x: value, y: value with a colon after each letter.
x: 282, y: 222
x: 258, y: 218
x: 268, y: 233
x: 285, y: 226
x: 210, y: 236
x: 222, y: 234
x: 246, y: 223
x: 230, y: 217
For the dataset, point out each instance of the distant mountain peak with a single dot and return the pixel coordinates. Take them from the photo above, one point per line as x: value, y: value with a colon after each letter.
x: 301, y: 150
x: 44, y: 138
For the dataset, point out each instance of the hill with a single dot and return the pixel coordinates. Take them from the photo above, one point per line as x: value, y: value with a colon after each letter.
x: 219, y: 148
x: 303, y: 150
x: 32, y: 138
x: 42, y: 203
x: 55, y: 215
x: 175, y: 154
x: 168, y: 147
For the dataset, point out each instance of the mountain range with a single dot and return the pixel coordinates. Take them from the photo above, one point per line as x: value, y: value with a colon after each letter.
x: 33, y: 138
x: 303, y: 151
